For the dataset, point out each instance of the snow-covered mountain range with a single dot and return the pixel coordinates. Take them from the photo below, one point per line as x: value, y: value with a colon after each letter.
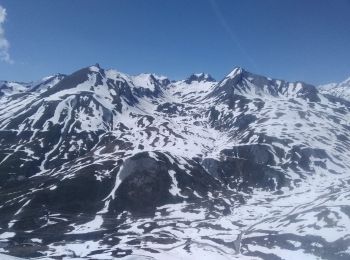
x: 100, y: 165
x: 341, y: 89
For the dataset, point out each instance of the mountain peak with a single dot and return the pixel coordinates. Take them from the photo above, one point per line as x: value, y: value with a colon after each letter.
x: 95, y: 68
x: 199, y: 77
x: 242, y: 82
x: 236, y: 71
x: 151, y: 76
x: 341, y: 89
x: 150, y: 81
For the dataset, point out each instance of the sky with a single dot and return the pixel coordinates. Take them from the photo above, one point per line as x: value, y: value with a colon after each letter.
x: 307, y: 40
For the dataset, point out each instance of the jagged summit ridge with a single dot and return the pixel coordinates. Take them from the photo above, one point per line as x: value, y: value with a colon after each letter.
x: 199, y: 77
x: 241, y: 79
x: 244, y: 83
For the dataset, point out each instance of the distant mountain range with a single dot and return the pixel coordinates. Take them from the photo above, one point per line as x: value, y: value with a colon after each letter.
x: 103, y: 165
x: 337, y: 89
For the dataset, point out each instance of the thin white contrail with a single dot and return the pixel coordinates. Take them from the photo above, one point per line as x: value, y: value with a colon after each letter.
x: 231, y: 33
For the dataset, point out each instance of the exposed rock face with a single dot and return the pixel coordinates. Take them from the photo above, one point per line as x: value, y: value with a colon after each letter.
x: 120, y: 165
x: 200, y: 77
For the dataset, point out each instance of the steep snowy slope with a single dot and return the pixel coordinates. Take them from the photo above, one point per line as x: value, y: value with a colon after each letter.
x: 339, y: 90
x: 102, y: 164
x: 8, y: 88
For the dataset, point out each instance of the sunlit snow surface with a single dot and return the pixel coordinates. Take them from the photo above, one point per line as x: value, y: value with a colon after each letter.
x: 307, y: 219
x: 339, y: 90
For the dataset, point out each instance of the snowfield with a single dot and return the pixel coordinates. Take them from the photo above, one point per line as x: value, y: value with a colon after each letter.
x: 103, y: 165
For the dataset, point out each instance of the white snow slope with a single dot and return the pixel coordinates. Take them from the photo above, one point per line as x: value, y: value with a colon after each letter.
x: 253, y: 168
x: 337, y: 89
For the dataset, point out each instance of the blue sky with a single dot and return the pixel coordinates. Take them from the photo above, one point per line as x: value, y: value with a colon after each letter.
x: 305, y: 40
